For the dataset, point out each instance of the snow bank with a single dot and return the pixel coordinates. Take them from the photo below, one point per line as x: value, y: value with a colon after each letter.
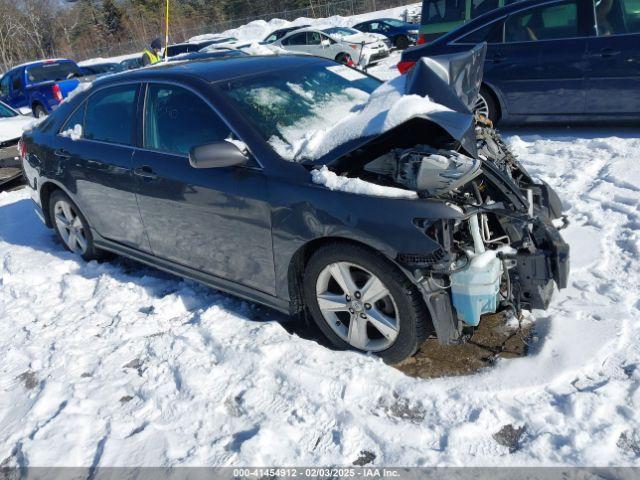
x: 329, y: 179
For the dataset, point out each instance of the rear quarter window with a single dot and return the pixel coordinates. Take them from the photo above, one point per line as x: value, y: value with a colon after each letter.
x: 491, y: 33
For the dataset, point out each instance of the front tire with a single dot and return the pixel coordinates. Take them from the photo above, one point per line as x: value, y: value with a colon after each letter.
x: 486, y: 106
x: 402, y: 42
x: 361, y: 301
x: 71, y: 226
x: 345, y: 59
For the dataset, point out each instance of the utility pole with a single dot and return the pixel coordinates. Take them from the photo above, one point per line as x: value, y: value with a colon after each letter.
x: 166, y: 32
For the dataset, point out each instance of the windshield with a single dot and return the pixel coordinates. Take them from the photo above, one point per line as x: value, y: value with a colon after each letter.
x: 286, y: 107
x: 54, y: 71
x: 394, y: 23
x: 6, y: 112
x: 105, y: 68
x: 341, y: 31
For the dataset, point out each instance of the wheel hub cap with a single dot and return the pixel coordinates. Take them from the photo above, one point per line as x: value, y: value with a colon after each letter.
x: 357, y: 306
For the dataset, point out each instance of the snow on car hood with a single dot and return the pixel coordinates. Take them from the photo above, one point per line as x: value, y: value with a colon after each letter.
x: 387, y: 107
x: 11, y: 128
x: 359, y: 38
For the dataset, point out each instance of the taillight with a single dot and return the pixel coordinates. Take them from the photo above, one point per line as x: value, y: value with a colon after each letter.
x: 57, y: 93
x: 404, y: 67
x: 422, y: 39
x: 350, y: 62
x: 22, y: 148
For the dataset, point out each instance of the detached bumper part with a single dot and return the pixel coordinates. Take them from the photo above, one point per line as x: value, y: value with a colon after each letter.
x: 447, y: 326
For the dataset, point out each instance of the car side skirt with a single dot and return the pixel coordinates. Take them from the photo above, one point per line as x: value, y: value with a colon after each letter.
x: 218, y: 283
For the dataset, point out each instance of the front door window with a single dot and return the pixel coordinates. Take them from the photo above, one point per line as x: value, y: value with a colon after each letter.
x: 176, y: 120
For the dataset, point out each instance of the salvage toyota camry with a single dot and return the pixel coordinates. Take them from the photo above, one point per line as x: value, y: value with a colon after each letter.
x: 304, y: 185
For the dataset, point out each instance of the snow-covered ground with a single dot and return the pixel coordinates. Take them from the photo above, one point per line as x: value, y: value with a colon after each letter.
x: 117, y: 364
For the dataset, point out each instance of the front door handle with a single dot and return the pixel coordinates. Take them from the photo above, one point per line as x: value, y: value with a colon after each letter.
x: 498, y: 57
x: 145, y: 172
x: 62, y: 153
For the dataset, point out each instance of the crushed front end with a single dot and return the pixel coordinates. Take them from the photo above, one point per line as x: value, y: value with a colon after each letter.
x: 504, y: 252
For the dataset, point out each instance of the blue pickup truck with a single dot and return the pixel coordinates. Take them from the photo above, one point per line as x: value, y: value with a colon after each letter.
x: 39, y: 86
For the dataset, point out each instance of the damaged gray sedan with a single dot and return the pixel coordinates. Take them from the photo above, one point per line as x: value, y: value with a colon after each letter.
x: 384, y: 212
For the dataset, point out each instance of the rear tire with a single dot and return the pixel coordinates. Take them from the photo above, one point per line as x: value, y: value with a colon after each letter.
x: 39, y: 111
x: 382, y: 312
x: 71, y: 226
x: 402, y: 42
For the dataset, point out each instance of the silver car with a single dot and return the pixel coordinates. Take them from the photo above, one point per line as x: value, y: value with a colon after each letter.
x: 358, y: 49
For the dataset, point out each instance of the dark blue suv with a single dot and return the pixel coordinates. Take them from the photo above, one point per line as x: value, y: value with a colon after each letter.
x: 553, y: 60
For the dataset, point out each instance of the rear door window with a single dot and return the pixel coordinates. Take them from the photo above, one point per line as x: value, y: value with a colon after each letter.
x: 549, y: 22
x: 176, y: 120
x: 76, y: 118
x: 110, y: 115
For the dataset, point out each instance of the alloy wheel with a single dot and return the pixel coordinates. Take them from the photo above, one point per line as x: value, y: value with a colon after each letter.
x: 70, y: 227
x: 357, y: 306
x: 481, y: 106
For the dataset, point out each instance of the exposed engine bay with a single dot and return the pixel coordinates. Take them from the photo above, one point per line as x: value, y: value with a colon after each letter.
x: 505, y: 253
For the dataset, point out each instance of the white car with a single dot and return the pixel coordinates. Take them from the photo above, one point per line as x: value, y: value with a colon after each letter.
x: 351, y: 34
x: 12, y: 124
x: 358, y: 49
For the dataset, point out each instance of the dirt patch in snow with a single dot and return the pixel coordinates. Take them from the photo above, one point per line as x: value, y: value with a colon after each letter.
x: 492, y: 340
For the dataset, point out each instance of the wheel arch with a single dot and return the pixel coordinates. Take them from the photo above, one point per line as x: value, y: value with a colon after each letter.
x: 300, y: 258
x: 37, y: 103
x: 45, y: 192
x: 491, y: 90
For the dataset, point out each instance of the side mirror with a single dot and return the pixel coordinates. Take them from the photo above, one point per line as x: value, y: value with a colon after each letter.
x: 325, y: 43
x: 217, y: 155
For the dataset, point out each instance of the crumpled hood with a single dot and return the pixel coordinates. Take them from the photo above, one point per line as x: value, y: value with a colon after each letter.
x: 454, y: 81
x: 441, y: 90
x: 11, y: 128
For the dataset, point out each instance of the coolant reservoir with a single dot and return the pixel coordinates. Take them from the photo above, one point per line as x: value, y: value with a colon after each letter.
x: 474, y: 290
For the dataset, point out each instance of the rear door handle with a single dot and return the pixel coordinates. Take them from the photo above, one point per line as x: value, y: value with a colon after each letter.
x: 145, y: 172
x: 606, y: 53
x: 62, y: 153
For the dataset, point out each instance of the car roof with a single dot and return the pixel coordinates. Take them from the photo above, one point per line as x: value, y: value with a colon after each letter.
x: 40, y: 62
x: 215, y: 70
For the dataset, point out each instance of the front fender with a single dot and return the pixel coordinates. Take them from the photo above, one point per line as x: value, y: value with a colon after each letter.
x: 383, y: 224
